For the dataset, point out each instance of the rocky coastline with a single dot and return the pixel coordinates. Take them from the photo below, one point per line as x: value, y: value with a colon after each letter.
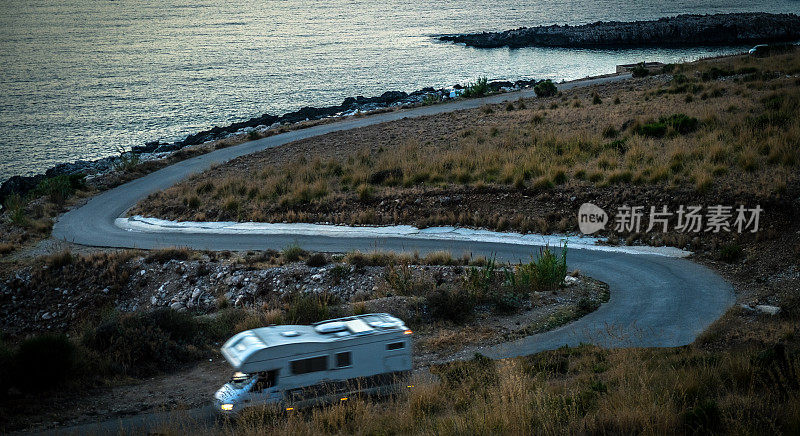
x: 262, y: 124
x: 682, y: 30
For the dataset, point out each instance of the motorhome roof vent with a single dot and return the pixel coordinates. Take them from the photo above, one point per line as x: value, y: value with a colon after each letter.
x: 331, y: 327
x: 290, y: 333
x: 358, y: 326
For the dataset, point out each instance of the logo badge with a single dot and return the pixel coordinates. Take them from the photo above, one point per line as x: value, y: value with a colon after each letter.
x: 591, y: 218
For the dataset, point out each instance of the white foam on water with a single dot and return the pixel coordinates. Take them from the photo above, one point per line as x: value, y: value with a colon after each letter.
x: 156, y: 225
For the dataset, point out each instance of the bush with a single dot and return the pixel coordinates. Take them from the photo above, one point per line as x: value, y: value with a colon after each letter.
x: 610, y: 132
x: 705, y: 418
x: 146, y: 343
x: 586, y: 305
x: 545, y: 88
x: 167, y: 254
x: 682, y: 123
x: 546, y: 272
x: 507, y: 301
x: 58, y: 189
x: 316, y: 260
x: 59, y: 260
x: 400, y: 279
x: 731, y: 252
x: 452, y: 304
x: 292, y: 253
x: 307, y: 308
x: 479, y: 88
x: 652, y: 130
x: 431, y: 99
x: 679, y: 79
x: 640, y: 70
x: 15, y: 210
x: 126, y: 161
x: 43, y: 362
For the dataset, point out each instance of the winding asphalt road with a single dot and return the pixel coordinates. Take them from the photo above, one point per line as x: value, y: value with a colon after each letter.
x: 656, y: 301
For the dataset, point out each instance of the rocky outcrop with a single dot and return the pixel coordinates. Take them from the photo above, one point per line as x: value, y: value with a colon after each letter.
x: 683, y: 30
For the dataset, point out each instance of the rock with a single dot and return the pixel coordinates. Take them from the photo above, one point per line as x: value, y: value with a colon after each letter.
x: 46, y: 316
x: 153, y: 300
x: 770, y: 310
x: 682, y: 30
x: 177, y: 306
x: 569, y: 281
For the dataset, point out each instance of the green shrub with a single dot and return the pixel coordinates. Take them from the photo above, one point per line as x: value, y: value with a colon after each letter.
x: 704, y: 418
x: 610, y: 132
x: 507, y: 300
x: 640, y: 70
x: 731, y: 252
x: 221, y: 325
x: 618, y: 145
x: 545, y: 88
x: 292, y: 253
x: 167, y: 254
x: 715, y: 73
x: 475, y: 375
x: 307, y: 308
x: 586, y: 305
x: 58, y: 189
x: 43, y: 362
x: 452, y: 304
x: 339, y: 272
x: 546, y: 272
x: 15, y: 210
x: 317, y: 260
x: 479, y: 279
x: 193, y: 202
x: 682, y: 123
x: 145, y: 343
x: 679, y: 79
x: 400, y: 279
x: 431, y: 99
x: 653, y: 130
x: 479, y: 88
x: 126, y: 161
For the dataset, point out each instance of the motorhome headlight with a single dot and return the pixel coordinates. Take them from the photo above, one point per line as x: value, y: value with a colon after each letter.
x: 226, y: 407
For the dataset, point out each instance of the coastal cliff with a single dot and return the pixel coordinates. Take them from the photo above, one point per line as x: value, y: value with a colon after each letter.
x: 682, y: 30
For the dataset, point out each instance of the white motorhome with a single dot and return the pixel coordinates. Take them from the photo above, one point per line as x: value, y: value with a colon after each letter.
x: 300, y: 365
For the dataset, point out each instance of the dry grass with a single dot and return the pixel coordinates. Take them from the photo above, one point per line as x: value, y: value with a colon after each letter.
x: 572, y: 390
x: 7, y: 248
x: 166, y: 254
x: 745, y: 141
x: 449, y: 338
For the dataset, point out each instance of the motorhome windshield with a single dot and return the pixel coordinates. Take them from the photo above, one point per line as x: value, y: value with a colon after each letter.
x: 240, y: 379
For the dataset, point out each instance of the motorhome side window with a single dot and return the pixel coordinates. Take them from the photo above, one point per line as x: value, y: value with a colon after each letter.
x: 395, y: 346
x: 343, y: 359
x: 314, y: 364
